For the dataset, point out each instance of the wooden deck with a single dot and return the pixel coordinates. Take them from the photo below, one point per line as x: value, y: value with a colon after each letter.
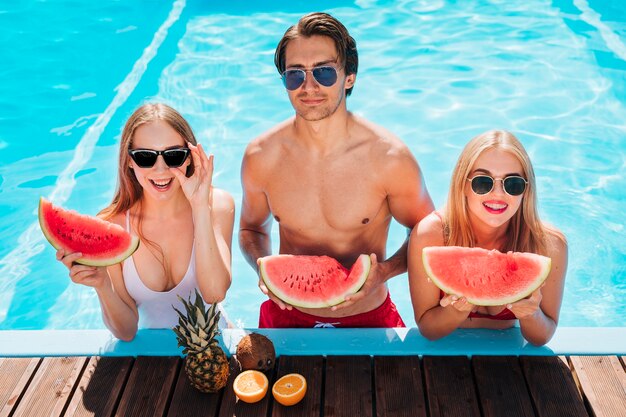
x: 351, y: 386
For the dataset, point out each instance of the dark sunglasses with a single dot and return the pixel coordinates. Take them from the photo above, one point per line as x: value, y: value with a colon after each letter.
x: 513, y: 185
x: 146, y: 158
x: 324, y: 75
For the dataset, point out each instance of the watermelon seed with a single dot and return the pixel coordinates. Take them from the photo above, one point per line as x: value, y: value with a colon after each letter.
x: 285, y: 280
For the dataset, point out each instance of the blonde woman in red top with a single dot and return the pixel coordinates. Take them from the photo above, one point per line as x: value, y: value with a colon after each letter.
x: 492, y: 204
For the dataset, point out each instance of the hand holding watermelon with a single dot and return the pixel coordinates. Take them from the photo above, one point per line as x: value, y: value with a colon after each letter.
x: 197, y: 187
x: 460, y: 303
x: 280, y: 303
x: 526, y: 307
x: 99, y: 242
x: 485, y: 277
x: 310, y: 281
x: 375, y: 277
x: 90, y: 276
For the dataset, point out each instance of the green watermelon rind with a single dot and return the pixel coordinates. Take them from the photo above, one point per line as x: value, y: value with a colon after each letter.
x: 132, y: 247
x: 364, y: 259
x: 546, y: 266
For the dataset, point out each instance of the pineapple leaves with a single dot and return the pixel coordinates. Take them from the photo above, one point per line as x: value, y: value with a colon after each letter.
x: 197, y: 327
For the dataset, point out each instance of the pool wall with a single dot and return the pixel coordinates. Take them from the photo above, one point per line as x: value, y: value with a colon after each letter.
x: 392, y: 341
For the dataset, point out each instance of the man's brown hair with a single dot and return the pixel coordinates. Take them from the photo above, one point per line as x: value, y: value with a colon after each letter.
x: 321, y: 24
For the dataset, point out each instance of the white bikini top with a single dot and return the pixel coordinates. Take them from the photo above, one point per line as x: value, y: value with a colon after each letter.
x: 155, y: 308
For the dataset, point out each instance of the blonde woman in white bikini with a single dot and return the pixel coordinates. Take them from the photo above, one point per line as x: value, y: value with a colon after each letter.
x: 166, y: 197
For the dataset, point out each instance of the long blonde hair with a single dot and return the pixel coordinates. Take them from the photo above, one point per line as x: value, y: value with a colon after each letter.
x: 128, y: 190
x: 526, y: 232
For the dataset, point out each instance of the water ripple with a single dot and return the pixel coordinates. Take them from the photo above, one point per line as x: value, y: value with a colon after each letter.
x: 433, y: 72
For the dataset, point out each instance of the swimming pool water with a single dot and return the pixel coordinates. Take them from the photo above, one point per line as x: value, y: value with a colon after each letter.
x: 436, y: 73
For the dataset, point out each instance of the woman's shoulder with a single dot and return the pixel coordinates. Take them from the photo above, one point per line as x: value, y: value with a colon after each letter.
x: 223, y: 201
x: 434, y: 220
x: 556, y: 242
x: 119, y: 219
x: 430, y: 228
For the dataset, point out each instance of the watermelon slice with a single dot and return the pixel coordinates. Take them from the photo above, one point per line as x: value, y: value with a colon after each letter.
x: 102, y: 243
x: 485, y: 277
x: 312, y: 281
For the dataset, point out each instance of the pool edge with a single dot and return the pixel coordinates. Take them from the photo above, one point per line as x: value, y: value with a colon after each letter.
x: 393, y: 341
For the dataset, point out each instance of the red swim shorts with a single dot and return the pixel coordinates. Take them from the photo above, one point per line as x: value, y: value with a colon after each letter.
x: 386, y: 315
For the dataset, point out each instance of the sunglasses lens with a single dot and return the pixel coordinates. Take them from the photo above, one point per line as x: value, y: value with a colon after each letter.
x: 326, y: 76
x: 514, y: 185
x: 482, y: 184
x: 144, y: 158
x: 293, y: 79
x: 175, y: 157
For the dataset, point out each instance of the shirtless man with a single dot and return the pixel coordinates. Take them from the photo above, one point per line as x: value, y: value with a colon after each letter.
x: 331, y: 180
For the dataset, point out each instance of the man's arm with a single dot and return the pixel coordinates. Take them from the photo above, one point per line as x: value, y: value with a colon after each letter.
x: 255, y: 222
x: 409, y: 202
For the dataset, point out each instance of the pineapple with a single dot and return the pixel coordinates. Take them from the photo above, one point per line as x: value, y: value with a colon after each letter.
x: 206, y: 364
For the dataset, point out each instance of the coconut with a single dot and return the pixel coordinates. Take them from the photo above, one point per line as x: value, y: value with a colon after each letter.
x: 256, y: 351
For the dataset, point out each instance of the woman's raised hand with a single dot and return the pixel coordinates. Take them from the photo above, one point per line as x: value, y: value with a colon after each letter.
x: 91, y: 276
x: 197, y: 187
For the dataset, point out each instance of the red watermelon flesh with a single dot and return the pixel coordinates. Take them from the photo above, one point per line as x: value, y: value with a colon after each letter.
x: 312, y: 281
x: 102, y: 243
x: 485, y: 277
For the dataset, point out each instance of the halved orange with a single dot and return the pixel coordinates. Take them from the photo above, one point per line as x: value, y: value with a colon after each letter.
x: 251, y: 386
x: 289, y: 389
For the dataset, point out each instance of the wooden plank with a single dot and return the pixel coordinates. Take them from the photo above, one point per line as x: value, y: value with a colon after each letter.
x: 398, y: 386
x: 149, y: 386
x: 603, y: 382
x: 100, y: 387
x: 552, y: 387
x: 501, y: 387
x: 232, y: 407
x: 188, y: 401
x: 348, y: 387
x: 312, y: 369
x: 51, y: 387
x: 15, y: 372
x: 449, y: 386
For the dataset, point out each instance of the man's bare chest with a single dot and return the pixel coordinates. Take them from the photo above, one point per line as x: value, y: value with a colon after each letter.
x: 340, y: 199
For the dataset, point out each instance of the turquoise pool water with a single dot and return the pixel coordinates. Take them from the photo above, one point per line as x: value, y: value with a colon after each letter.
x: 435, y: 73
